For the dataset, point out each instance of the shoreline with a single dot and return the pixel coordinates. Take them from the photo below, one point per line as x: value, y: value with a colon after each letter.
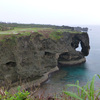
x: 34, y: 83
x: 72, y: 63
x: 45, y: 77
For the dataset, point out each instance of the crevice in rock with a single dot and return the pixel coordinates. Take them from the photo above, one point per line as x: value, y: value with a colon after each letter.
x: 48, y: 54
x: 64, y: 56
x: 11, y: 64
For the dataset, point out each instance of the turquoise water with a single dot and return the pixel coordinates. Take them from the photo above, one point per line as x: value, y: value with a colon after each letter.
x: 84, y: 72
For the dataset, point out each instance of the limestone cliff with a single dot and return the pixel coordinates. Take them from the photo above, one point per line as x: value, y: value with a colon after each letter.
x: 30, y: 57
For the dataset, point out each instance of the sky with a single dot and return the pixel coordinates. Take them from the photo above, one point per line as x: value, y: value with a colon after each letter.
x: 55, y: 12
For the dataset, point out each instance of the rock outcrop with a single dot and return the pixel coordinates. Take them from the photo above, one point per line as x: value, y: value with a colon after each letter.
x: 31, y: 57
x: 73, y: 57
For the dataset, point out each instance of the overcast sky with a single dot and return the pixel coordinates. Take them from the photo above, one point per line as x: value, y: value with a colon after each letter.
x: 57, y: 12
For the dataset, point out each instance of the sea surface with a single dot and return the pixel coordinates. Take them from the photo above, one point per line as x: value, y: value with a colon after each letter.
x: 84, y: 72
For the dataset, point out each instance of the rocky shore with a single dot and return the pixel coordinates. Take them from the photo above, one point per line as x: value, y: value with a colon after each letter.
x: 74, y: 62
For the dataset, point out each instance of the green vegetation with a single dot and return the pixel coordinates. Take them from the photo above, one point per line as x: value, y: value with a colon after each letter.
x: 45, y: 32
x: 8, y: 30
x: 56, y: 35
x: 20, y: 25
x: 20, y: 95
x: 7, y: 40
x: 14, y: 28
x: 3, y: 28
x: 86, y: 92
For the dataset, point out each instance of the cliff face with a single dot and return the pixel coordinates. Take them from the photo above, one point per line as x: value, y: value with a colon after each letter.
x: 30, y: 57
x: 73, y: 57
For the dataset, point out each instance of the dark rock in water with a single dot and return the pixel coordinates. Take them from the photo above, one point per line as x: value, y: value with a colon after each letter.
x: 33, y: 57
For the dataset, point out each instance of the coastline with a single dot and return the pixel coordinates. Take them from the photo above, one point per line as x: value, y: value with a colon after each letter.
x: 38, y: 82
x: 34, y: 83
x: 74, y: 62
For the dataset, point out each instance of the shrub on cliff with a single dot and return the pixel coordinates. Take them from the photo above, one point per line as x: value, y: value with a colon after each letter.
x: 20, y: 95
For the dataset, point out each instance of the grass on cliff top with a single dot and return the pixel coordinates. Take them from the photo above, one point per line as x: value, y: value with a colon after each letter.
x: 21, y: 30
x: 46, y: 32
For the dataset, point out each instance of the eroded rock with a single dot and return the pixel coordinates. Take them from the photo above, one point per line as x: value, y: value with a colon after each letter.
x: 31, y: 57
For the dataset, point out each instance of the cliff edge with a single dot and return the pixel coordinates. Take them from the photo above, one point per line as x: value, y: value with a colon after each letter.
x: 32, y: 57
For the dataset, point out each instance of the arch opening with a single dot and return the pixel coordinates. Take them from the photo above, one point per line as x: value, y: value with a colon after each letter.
x: 79, y: 48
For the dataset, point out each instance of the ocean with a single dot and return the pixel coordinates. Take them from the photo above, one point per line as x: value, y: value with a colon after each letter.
x: 84, y: 72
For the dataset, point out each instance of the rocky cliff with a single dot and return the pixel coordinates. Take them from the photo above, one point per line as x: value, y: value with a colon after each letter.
x: 31, y: 57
